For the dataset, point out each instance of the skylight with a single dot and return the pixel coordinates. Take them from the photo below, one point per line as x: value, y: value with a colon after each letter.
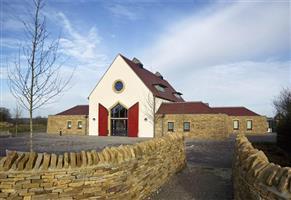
x: 160, y: 88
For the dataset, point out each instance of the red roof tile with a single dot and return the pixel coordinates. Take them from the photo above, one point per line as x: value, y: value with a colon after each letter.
x: 150, y: 80
x: 202, y: 108
x: 235, y: 111
x: 76, y: 110
x: 185, y: 108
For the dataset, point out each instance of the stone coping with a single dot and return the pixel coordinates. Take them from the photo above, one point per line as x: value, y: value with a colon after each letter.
x: 253, y: 166
x: 28, y: 161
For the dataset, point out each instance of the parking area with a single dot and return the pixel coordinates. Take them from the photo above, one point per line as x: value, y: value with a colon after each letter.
x: 43, y: 142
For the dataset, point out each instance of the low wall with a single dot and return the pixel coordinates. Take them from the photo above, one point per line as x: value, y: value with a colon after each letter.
x: 124, y: 172
x: 254, y: 177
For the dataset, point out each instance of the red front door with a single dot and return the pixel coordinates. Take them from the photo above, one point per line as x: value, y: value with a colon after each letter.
x: 133, y: 121
x: 103, y: 120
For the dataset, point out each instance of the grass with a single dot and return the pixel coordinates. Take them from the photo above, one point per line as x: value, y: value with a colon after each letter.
x: 274, y: 153
x: 23, y: 128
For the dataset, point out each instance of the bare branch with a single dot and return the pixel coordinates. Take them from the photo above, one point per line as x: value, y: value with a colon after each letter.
x: 36, y: 80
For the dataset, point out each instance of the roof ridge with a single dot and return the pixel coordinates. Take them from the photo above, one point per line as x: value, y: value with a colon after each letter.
x: 185, y: 102
x: 230, y: 107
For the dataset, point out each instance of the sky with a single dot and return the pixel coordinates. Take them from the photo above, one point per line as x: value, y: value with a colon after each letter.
x: 225, y: 53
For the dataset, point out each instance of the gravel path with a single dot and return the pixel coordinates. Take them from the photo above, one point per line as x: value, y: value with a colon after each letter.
x: 208, y: 172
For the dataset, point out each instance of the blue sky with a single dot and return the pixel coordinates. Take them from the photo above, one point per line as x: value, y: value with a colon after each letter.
x: 226, y: 53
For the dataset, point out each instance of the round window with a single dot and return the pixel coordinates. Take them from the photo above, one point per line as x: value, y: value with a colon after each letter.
x: 118, y: 86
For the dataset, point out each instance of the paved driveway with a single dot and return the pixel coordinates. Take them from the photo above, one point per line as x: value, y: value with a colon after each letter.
x: 208, y: 172
x: 43, y: 142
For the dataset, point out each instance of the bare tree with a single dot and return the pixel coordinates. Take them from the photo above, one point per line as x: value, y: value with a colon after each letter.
x: 38, y: 80
x: 17, y: 115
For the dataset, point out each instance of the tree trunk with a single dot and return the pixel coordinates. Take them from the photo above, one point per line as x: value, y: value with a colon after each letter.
x: 31, y: 130
x: 16, y: 128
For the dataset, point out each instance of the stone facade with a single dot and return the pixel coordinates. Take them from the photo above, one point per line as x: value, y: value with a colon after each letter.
x: 59, y: 123
x: 255, y: 178
x: 259, y: 124
x: 209, y: 125
x: 201, y: 125
x: 124, y: 172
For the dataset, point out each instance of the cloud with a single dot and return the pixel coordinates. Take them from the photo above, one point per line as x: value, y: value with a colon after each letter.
x: 230, y: 55
x: 84, y: 55
x: 238, y: 32
x: 122, y: 11
x: 82, y: 48
x: 248, y: 83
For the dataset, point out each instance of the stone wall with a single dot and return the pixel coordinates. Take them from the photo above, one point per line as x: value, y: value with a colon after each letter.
x: 201, y: 125
x: 260, y: 124
x: 58, y: 123
x: 124, y: 172
x: 255, y: 178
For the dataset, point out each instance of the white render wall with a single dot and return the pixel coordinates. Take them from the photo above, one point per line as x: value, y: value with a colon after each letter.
x: 134, y: 91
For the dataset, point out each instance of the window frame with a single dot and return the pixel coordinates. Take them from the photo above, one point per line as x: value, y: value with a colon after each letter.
x: 234, y: 128
x: 251, y: 121
x: 186, y: 130
x: 115, y: 82
x: 78, y: 127
x: 160, y: 88
x: 69, y: 126
x: 173, y: 129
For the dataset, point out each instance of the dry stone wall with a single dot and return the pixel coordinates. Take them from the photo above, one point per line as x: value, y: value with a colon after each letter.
x: 255, y: 178
x: 124, y: 172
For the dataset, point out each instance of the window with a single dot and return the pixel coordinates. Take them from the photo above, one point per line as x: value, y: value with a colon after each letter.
x: 186, y: 126
x: 171, y: 126
x: 79, y: 124
x: 177, y: 96
x: 118, y: 111
x: 118, y: 86
x: 249, y: 124
x: 235, y: 125
x: 160, y: 88
x: 69, y: 124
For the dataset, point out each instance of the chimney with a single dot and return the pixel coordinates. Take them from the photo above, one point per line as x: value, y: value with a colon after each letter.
x: 137, y: 61
x: 159, y: 75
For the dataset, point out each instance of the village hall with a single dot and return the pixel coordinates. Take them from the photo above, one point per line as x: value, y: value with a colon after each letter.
x: 129, y: 100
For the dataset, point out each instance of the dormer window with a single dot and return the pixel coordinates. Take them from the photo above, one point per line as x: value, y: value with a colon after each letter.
x: 160, y: 87
x: 177, y: 95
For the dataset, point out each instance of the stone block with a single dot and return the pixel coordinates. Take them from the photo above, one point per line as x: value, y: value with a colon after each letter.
x: 60, y: 162
x: 10, y: 158
x: 83, y: 158
x: 38, y: 161
x: 66, y: 160
x: 31, y: 161
x: 78, y: 159
x: 22, y: 162
x: 46, y: 161
x: 73, y: 162
x: 53, y: 161
x: 89, y: 158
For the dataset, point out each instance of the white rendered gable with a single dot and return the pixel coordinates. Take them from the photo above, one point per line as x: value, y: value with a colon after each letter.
x: 134, y: 91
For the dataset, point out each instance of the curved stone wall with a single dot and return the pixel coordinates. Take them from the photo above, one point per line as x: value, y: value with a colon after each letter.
x: 254, y: 177
x: 124, y: 172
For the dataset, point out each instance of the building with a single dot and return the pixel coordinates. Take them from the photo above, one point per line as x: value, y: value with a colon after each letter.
x: 71, y: 121
x: 199, y: 119
x: 131, y: 101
